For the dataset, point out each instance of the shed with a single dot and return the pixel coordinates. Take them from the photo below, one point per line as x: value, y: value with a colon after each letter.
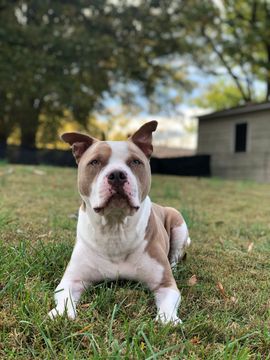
x: 238, y: 141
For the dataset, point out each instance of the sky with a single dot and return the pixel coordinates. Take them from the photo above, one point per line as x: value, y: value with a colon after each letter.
x: 174, y: 129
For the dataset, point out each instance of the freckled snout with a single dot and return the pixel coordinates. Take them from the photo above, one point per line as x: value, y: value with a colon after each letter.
x: 117, y: 178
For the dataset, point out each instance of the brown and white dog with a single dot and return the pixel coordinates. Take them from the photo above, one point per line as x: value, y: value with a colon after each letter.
x: 120, y: 232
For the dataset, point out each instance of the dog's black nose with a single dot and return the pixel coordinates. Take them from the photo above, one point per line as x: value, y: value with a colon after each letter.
x: 117, y: 178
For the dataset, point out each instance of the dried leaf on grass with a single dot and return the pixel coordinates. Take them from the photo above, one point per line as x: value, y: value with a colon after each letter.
x: 39, y: 172
x: 193, y: 280
x: 85, y: 329
x: 44, y: 235
x: 221, y: 290
x: 85, y: 306
x: 195, y: 340
x: 250, y: 247
x: 233, y: 299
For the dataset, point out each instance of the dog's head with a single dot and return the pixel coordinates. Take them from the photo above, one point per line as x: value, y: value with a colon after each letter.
x: 113, y: 175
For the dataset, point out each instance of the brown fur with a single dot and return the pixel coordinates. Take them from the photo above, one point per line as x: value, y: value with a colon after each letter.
x: 162, y: 220
x: 100, y: 151
x: 143, y: 137
x: 142, y: 171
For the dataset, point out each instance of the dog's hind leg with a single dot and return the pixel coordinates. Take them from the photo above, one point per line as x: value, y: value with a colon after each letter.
x: 179, y: 241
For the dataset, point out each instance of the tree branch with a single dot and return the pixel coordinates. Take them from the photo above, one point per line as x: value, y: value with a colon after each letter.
x: 227, y: 66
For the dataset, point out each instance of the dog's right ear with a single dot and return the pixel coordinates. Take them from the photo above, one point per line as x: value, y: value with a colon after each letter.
x: 79, y: 143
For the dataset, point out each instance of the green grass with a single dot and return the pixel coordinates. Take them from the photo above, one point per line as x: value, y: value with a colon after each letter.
x: 115, y: 320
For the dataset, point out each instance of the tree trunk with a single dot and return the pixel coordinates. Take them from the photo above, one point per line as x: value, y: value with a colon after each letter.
x: 3, y: 145
x: 28, y: 137
x: 29, y: 124
x: 268, y: 75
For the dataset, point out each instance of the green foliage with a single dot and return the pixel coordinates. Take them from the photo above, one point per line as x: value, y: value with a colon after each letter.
x: 234, y: 41
x: 69, y: 56
x: 218, y: 96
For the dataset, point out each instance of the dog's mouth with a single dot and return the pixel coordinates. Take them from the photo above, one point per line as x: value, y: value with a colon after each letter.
x: 120, y: 201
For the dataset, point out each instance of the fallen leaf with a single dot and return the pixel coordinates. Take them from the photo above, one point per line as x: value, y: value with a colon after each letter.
x: 193, y: 280
x: 221, y: 290
x: 250, y: 247
x: 44, y: 235
x: 85, y: 306
x: 85, y: 329
x: 195, y: 340
x: 39, y: 172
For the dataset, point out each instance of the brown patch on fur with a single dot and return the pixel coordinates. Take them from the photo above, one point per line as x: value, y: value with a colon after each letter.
x: 142, y: 171
x: 143, y: 137
x: 159, y: 243
x: 171, y: 218
x: 78, y: 142
x: 87, y: 173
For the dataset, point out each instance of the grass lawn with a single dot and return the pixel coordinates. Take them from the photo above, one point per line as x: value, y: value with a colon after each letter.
x: 225, y: 313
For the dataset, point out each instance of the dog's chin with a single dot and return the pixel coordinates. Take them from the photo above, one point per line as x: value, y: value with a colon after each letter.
x: 117, y: 203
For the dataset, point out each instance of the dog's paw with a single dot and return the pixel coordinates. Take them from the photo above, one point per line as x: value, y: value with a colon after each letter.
x: 173, y: 320
x: 54, y: 313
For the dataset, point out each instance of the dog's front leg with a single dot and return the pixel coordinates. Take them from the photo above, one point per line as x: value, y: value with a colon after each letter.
x: 80, y: 273
x: 156, y: 272
x: 67, y: 294
x: 167, y: 302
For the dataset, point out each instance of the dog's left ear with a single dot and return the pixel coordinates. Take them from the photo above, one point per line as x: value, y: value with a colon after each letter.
x: 79, y: 143
x: 143, y: 137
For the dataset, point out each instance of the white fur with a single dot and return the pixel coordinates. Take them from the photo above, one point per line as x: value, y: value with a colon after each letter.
x: 113, y: 245
x: 180, y: 240
x: 116, y: 251
x: 117, y: 161
x: 167, y: 301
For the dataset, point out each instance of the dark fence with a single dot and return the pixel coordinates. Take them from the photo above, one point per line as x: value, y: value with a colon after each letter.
x: 18, y: 155
x: 198, y: 165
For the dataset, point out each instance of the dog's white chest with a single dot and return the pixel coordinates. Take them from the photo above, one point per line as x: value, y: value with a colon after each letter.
x: 114, y: 250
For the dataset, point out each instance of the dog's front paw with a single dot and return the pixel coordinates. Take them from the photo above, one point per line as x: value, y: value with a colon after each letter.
x: 173, y: 320
x: 54, y: 313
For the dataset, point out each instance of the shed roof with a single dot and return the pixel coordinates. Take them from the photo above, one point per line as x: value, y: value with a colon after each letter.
x: 248, y: 108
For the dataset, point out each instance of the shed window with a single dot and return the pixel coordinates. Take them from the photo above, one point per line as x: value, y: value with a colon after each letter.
x: 240, y: 137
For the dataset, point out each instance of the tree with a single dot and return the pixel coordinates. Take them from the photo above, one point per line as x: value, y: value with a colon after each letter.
x: 67, y: 55
x: 219, y: 95
x: 234, y: 42
x: 45, y: 64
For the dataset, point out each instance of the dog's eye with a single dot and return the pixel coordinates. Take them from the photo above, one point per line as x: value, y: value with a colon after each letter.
x: 136, y: 162
x: 93, y: 162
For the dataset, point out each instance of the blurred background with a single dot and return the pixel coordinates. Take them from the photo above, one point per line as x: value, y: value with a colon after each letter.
x: 106, y: 66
